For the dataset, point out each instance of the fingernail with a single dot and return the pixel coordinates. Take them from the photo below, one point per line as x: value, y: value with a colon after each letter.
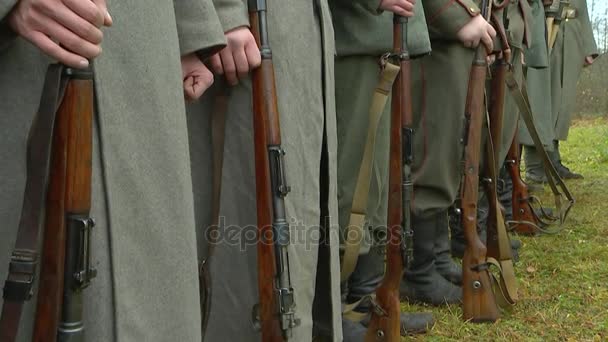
x: 108, y: 17
x: 83, y: 63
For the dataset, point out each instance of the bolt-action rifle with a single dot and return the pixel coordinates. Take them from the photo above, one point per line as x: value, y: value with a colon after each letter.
x: 276, y: 310
x: 479, y: 304
x: 498, y: 244
x: 59, y: 166
x: 386, y: 317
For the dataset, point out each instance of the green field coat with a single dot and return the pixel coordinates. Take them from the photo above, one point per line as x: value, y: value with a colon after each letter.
x: 144, y: 242
x: 302, y: 42
x: 363, y: 34
x: 439, y: 86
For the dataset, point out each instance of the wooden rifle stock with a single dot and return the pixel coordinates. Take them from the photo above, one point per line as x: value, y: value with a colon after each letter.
x: 386, y: 320
x: 479, y: 304
x: 276, y: 310
x: 65, y: 263
x: 522, y: 210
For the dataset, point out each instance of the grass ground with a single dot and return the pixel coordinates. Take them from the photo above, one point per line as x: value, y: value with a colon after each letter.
x: 563, y: 278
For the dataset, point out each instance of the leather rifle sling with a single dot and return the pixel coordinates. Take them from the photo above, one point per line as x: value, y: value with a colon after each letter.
x: 356, y: 224
x: 521, y: 99
x: 18, y: 287
x: 218, y: 130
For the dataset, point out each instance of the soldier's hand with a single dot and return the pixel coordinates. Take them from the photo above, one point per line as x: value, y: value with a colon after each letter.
x: 240, y: 56
x: 588, y: 61
x: 476, y: 31
x: 404, y: 8
x: 196, y: 77
x: 67, y: 30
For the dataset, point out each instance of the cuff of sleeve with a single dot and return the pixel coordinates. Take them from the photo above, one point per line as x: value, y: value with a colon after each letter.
x: 204, y: 48
x: 233, y: 16
x: 449, y: 16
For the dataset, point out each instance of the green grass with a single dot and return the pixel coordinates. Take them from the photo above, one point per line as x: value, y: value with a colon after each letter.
x: 563, y: 278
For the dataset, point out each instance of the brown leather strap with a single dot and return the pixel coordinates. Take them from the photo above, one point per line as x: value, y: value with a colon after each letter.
x: 218, y: 128
x: 555, y: 182
x: 24, y: 259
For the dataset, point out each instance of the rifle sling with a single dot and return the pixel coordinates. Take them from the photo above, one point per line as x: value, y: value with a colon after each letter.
x: 357, y: 221
x: 218, y: 130
x: 18, y: 287
x: 521, y: 99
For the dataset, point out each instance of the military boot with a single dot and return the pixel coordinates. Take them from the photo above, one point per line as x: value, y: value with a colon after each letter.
x: 411, y: 323
x: 563, y: 171
x: 421, y: 282
x: 353, y: 331
x: 535, y: 172
x: 444, y: 263
x: 367, y: 276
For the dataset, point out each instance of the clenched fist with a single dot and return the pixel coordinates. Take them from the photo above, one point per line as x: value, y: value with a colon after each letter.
x: 196, y: 77
x: 67, y: 30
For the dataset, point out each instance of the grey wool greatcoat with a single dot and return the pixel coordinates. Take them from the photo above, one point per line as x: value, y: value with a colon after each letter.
x: 144, y: 245
x: 574, y: 42
x: 302, y: 42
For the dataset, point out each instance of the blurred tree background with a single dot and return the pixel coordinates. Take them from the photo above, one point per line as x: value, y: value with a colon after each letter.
x: 593, y: 84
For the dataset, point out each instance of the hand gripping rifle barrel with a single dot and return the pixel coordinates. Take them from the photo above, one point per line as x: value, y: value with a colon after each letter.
x: 276, y: 310
x: 385, y: 324
x: 479, y: 304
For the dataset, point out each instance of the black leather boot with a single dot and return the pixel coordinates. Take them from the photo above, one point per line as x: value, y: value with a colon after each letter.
x: 444, y: 263
x: 367, y: 276
x: 563, y: 171
x: 421, y: 282
x: 535, y: 172
x: 411, y: 324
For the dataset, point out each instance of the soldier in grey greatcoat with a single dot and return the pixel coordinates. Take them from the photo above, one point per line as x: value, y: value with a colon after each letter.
x: 552, y: 91
x: 144, y: 245
x: 302, y: 42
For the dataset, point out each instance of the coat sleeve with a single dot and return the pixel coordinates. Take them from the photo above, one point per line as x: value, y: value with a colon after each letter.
x: 198, y: 27
x: 446, y: 17
x: 6, y: 34
x: 232, y: 13
x: 589, y: 44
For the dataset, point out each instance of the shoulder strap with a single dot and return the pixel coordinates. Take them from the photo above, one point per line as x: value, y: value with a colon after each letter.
x: 218, y: 130
x: 354, y: 231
